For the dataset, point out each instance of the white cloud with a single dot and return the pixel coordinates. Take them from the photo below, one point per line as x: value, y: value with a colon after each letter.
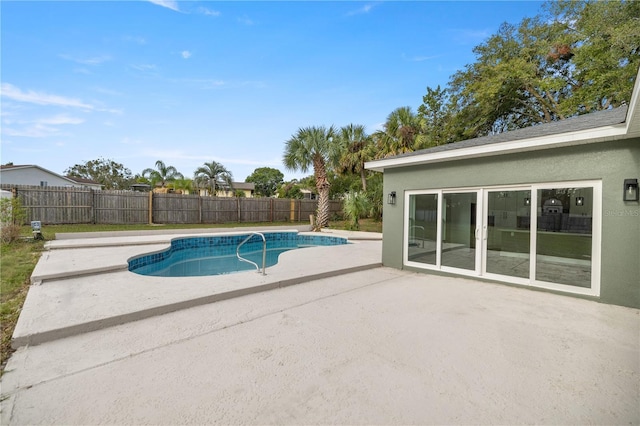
x: 11, y: 92
x: 419, y: 58
x: 363, y: 10
x: 245, y: 20
x: 39, y: 128
x: 135, y: 39
x: 208, y: 12
x: 61, y: 119
x: 143, y: 67
x: 107, y: 91
x: 169, y: 4
x: 97, y: 60
x: 130, y: 141
x: 177, y: 154
x: 186, y: 54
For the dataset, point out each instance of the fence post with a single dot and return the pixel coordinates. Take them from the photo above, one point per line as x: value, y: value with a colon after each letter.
x: 238, y: 204
x: 93, y: 206
x: 199, y: 208
x: 151, y: 207
x: 271, y: 208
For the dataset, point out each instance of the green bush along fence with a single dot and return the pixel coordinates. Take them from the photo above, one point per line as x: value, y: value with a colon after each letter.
x: 62, y: 205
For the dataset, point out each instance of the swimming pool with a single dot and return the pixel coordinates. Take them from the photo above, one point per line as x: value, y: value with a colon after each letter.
x: 216, y: 255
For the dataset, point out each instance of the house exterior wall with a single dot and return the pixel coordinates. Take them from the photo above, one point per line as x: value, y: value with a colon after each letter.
x: 230, y: 194
x: 32, y: 176
x: 610, y: 162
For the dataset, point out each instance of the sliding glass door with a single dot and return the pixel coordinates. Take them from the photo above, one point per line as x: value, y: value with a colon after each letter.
x: 546, y: 235
x: 458, y: 240
x: 506, y: 231
x: 564, y: 236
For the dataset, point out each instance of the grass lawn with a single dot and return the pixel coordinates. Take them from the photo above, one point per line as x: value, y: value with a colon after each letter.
x: 18, y: 259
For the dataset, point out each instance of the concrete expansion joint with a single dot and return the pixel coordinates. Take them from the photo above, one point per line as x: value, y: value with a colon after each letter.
x: 44, y: 336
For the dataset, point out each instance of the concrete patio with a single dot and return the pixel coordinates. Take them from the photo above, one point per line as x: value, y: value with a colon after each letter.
x: 373, y: 346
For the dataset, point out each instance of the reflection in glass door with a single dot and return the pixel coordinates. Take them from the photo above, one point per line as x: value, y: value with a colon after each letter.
x: 507, y: 232
x: 458, y: 240
x: 423, y: 229
x: 546, y: 235
x: 564, y: 236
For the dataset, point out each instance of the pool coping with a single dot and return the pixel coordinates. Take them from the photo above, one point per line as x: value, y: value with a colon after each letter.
x: 86, y: 286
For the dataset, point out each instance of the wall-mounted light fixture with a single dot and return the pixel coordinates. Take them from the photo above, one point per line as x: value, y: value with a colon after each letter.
x: 391, y: 199
x: 527, y: 201
x: 579, y: 201
x: 630, y: 190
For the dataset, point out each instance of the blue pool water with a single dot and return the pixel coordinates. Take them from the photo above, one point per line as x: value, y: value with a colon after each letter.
x: 199, y: 256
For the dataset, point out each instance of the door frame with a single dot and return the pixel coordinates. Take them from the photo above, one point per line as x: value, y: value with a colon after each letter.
x: 481, y: 233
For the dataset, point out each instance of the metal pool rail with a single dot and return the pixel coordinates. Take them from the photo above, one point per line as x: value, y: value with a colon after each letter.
x: 264, y: 252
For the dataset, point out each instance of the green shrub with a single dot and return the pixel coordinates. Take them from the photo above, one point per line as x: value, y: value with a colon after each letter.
x: 12, y: 216
x: 356, y: 205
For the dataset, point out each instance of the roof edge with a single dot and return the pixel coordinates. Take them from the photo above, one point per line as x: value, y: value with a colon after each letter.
x: 627, y: 129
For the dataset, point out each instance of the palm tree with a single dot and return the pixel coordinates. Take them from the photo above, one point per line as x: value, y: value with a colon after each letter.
x: 400, y: 134
x: 213, y: 175
x: 313, y: 146
x: 355, y: 147
x: 162, y: 174
x: 182, y: 185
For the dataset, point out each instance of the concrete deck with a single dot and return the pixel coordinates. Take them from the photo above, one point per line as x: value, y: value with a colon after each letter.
x: 378, y: 346
x: 83, y: 284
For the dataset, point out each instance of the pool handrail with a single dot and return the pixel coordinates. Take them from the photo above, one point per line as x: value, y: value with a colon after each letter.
x: 264, y: 252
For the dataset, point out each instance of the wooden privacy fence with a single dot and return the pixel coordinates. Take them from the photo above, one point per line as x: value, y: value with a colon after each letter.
x: 62, y: 205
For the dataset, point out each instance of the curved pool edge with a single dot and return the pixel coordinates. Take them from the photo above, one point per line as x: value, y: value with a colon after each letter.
x: 223, y: 245
x: 43, y: 319
x: 85, y: 256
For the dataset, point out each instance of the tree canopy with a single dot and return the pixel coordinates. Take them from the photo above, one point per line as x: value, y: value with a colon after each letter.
x: 108, y: 173
x: 314, y: 147
x: 162, y: 174
x: 266, y: 180
x: 212, y: 176
x: 575, y: 58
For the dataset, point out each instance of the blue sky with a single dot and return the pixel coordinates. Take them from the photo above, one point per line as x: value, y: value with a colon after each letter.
x: 191, y: 82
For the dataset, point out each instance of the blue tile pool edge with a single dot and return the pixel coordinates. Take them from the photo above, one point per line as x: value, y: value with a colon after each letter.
x: 230, y: 241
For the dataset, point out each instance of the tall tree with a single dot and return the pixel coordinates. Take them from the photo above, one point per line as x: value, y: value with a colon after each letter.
x: 604, y: 38
x: 313, y: 147
x: 183, y: 185
x: 434, y: 115
x: 212, y: 176
x: 162, y: 174
x: 579, y: 57
x: 400, y: 133
x: 355, y: 150
x: 266, y: 180
x: 108, y: 173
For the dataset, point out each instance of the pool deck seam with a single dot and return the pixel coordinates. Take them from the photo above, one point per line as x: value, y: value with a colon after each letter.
x: 73, y: 293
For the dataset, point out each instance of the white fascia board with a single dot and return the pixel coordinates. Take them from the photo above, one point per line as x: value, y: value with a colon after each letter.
x: 581, y: 137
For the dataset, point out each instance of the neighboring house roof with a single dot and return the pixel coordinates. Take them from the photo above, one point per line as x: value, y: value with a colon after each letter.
x: 72, y: 180
x: 83, y: 180
x: 600, y: 126
x: 248, y: 186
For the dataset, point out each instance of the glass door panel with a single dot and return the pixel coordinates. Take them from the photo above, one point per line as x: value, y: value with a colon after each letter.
x: 423, y: 228
x: 458, y: 240
x: 507, y: 231
x: 564, y: 236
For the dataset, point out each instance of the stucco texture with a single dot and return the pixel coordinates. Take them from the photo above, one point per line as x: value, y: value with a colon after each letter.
x: 610, y: 162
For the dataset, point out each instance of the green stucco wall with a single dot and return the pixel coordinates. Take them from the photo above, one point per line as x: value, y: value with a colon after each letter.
x: 611, y: 162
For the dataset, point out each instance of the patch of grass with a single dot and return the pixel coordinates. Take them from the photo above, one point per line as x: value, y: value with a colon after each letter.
x: 18, y: 259
x: 365, y: 225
